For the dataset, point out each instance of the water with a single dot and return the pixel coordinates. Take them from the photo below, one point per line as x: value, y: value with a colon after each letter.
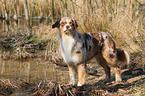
x: 34, y: 71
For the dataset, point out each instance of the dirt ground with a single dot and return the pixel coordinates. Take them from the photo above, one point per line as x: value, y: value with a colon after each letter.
x: 133, y: 84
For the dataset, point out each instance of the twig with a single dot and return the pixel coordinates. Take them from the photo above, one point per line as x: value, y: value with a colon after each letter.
x: 61, y: 64
x: 12, y: 84
x: 39, y: 84
x: 70, y: 93
x: 3, y: 81
x: 61, y: 92
x: 93, y: 72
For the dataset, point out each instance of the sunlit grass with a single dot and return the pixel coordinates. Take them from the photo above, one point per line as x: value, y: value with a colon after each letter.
x: 124, y: 20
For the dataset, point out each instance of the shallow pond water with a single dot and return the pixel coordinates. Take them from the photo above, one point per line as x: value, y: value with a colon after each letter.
x: 33, y: 70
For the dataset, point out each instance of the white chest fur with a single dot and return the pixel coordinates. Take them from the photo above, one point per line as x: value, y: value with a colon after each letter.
x: 66, y: 45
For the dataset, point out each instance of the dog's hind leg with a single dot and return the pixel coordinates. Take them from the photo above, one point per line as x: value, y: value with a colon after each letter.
x: 81, y: 68
x: 117, y: 74
x: 102, y: 62
x: 113, y: 62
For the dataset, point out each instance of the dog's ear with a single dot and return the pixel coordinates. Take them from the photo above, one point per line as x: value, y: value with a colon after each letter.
x: 102, y: 39
x: 56, y: 24
x: 75, y: 24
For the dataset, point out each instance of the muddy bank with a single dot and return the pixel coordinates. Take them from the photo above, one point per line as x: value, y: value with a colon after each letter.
x: 23, y: 47
x: 133, y: 83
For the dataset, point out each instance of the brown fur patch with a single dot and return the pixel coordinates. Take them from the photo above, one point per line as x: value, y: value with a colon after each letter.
x: 96, y: 35
x: 111, y: 56
x: 121, y: 55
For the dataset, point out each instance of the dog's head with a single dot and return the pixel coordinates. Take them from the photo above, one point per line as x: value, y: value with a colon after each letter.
x: 66, y: 25
x: 104, y: 37
x: 107, y: 39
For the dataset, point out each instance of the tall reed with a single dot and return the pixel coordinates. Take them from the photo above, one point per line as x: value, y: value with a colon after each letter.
x: 124, y: 19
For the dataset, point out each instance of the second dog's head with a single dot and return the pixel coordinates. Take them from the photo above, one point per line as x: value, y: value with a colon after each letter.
x: 107, y: 39
x: 66, y: 25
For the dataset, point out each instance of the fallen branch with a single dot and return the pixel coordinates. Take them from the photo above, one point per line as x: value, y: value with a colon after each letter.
x: 90, y: 72
x: 61, y: 64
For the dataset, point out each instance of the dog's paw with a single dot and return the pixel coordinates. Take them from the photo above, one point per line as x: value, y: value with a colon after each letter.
x: 72, y: 83
x: 80, y: 84
x: 118, y: 81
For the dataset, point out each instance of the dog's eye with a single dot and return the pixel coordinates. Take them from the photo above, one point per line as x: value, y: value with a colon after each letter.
x: 70, y: 23
x: 62, y: 24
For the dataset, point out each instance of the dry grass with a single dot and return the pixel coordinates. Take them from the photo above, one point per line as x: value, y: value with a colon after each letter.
x: 123, y: 19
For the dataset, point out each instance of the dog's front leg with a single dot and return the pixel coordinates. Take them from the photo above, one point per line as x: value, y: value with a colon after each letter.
x: 72, y: 74
x: 117, y: 74
x: 81, y: 74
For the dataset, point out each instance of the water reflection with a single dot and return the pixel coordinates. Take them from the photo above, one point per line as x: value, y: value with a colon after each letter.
x: 34, y: 71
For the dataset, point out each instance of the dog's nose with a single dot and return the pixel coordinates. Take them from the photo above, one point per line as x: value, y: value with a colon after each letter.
x: 67, y: 27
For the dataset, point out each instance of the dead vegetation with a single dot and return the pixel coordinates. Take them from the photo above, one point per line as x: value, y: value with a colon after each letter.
x: 23, y: 47
x: 132, y: 78
x: 123, y: 19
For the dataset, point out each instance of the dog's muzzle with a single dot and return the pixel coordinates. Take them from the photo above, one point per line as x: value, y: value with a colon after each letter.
x: 67, y: 31
x: 67, y: 28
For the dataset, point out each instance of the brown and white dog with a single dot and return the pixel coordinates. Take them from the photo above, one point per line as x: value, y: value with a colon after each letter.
x: 114, y: 56
x: 77, y: 49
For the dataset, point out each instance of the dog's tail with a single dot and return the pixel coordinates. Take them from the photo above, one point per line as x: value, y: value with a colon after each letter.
x: 123, y: 58
x: 127, y: 57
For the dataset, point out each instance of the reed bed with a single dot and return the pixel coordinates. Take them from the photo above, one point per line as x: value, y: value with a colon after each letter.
x: 123, y: 19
